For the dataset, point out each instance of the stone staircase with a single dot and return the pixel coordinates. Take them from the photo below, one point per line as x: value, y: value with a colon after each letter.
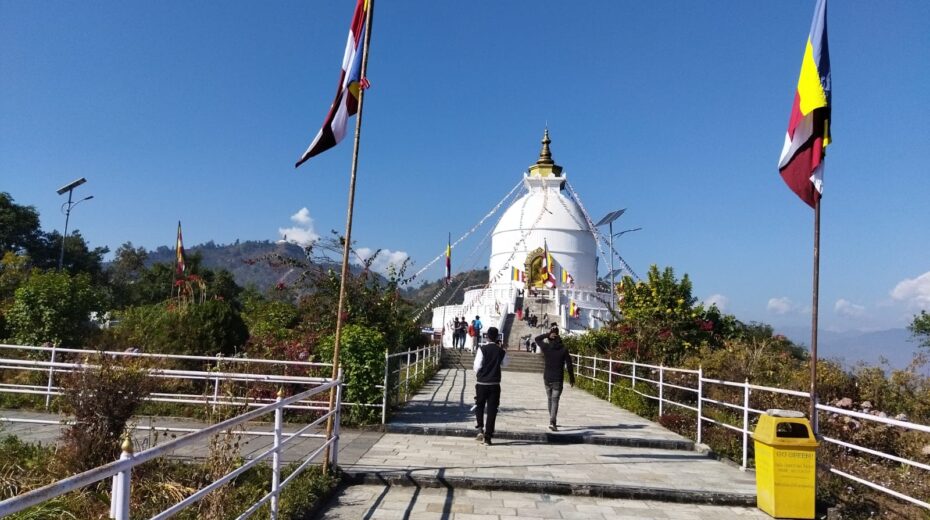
x: 519, y: 361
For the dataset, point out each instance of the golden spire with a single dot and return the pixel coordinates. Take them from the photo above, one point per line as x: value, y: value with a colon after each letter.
x: 545, y: 166
x: 545, y: 156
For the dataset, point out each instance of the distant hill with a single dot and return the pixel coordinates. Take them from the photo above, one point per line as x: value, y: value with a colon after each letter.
x: 852, y: 347
x: 423, y: 294
x: 242, y: 259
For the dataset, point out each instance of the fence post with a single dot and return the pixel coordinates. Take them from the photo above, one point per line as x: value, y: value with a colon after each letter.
x: 700, y: 401
x: 407, y: 378
x: 338, y: 412
x: 119, y: 495
x: 384, y: 399
x: 633, y: 385
x: 610, y: 379
x: 276, y: 457
x: 661, y: 388
x: 51, y: 378
x: 594, y: 371
x: 745, y: 422
x: 216, y: 381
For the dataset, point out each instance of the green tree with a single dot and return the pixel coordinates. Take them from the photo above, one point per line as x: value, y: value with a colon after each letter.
x: 14, y: 269
x: 660, y: 318
x: 19, y: 226
x: 54, y: 306
x: 79, y: 257
x: 266, y: 318
x: 209, y: 328
x: 371, y: 300
x: 920, y: 328
x: 124, y: 273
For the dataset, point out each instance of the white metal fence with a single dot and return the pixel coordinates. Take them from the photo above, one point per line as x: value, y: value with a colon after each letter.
x: 211, y: 373
x: 121, y: 470
x: 688, y: 389
x: 401, y: 370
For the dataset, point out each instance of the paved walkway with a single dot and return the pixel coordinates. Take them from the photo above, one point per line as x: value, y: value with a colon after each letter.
x: 380, y: 502
x: 604, y: 463
x: 443, y: 407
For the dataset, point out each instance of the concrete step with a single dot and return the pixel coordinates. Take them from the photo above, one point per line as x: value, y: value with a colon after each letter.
x: 519, y: 361
x: 631, y: 491
x: 557, y: 469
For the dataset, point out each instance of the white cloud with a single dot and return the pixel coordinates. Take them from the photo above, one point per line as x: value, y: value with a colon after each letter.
x: 303, y: 233
x: 719, y: 300
x: 384, y: 260
x: 847, y: 308
x: 915, y: 292
x: 302, y: 217
x: 782, y: 305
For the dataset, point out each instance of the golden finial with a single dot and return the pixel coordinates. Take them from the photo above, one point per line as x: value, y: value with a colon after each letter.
x: 545, y: 166
x: 280, y: 393
x: 545, y: 156
x: 127, y: 444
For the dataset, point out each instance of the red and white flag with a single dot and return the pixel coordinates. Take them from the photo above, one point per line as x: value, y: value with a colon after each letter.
x: 346, y: 102
x: 801, y: 161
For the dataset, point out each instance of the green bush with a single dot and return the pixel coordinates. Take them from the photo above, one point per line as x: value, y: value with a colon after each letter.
x: 54, y: 306
x: 205, y: 329
x: 361, y: 355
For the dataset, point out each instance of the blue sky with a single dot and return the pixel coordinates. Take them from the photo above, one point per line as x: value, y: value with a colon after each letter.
x: 675, y: 110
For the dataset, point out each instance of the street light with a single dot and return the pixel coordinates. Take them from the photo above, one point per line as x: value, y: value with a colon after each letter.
x: 66, y: 208
x: 609, y: 220
x: 626, y: 231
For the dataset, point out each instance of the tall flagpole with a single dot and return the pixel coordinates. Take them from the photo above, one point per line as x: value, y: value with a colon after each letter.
x: 442, y: 335
x: 816, y: 296
x: 348, y: 236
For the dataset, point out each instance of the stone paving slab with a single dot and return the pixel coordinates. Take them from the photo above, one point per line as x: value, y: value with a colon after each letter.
x: 443, y: 405
x: 591, y: 469
x: 377, y: 502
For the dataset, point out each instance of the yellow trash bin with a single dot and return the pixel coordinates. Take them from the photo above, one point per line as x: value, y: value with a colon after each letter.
x: 786, y: 456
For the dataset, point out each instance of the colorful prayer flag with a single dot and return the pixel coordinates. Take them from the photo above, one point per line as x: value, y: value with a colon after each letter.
x: 180, y: 265
x: 346, y: 102
x: 573, y: 309
x: 567, y: 278
x: 801, y: 161
x: 517, y: 275
x: 449, y: 260
x: 548, y: 267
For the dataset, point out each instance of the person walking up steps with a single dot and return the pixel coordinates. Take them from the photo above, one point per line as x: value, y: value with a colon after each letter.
x: 556, y: 357
x: 476, y: 324
x: 489, y: 359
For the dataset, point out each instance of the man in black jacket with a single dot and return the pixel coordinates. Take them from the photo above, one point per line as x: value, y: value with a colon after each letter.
x: 489, y: 359
x: 556, y: 356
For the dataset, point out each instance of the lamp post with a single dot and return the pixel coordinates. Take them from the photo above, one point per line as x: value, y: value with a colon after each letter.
x: 66, y: 208
x: 609, y: 220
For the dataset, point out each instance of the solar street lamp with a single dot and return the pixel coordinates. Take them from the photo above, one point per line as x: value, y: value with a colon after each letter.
x: 66, y: 209
x: 609, y: 221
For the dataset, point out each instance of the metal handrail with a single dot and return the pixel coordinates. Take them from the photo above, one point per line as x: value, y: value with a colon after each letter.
x: 120, y: 470
x: 609, y: 374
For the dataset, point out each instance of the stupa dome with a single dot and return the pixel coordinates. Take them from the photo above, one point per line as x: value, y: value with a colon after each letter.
x: 546, y: 217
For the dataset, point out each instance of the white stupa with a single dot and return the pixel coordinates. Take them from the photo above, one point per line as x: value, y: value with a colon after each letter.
x: 546, y: 218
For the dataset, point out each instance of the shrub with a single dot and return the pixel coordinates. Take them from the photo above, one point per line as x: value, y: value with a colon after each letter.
x: 101, y: 399
x: 205, y: 329
x: 54, y: 306
x: 361, y: 355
